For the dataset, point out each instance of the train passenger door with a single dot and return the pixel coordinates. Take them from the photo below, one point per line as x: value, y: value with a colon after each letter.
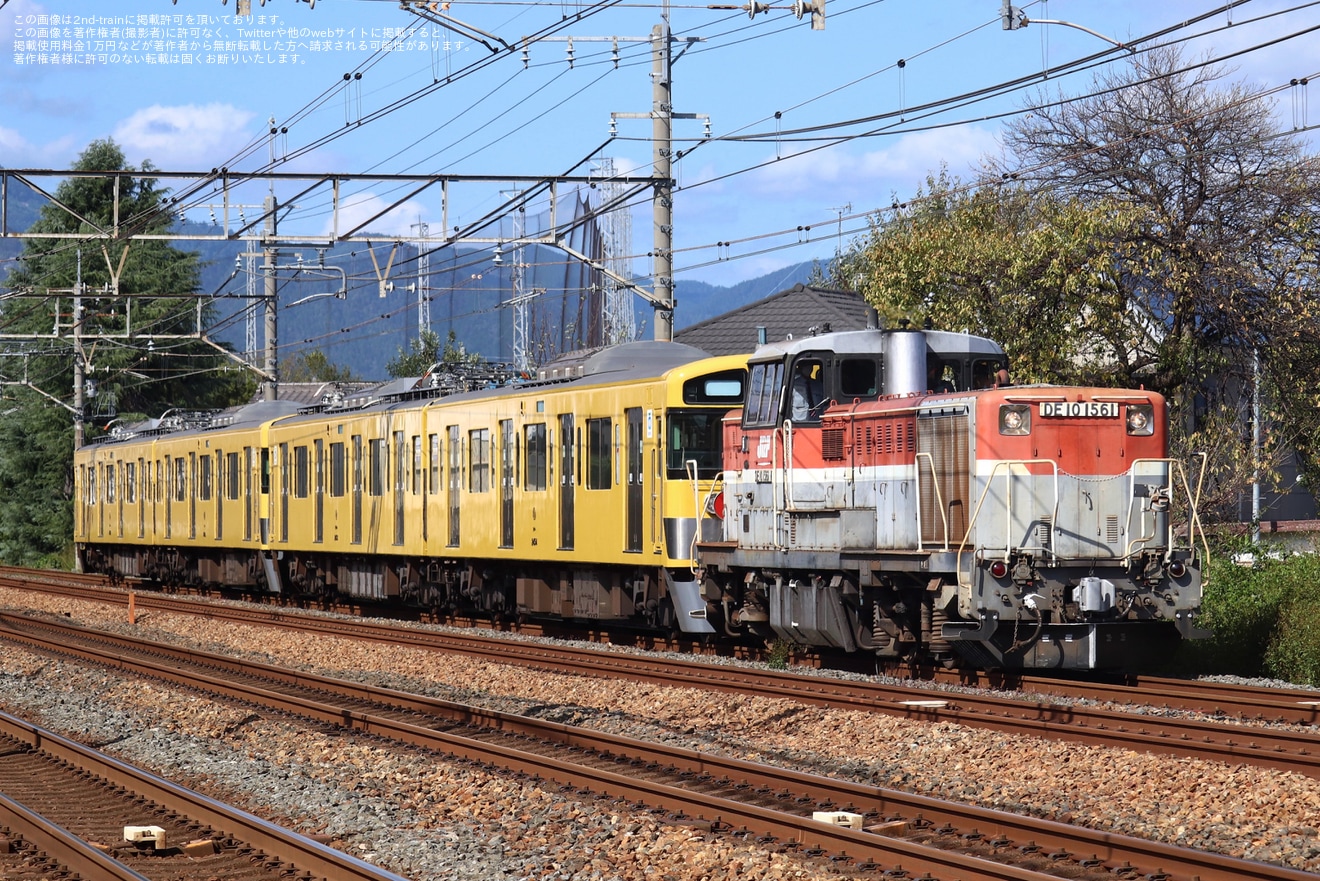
x: 567, y: 480
x: 455, y: 482
x: 357, y: 489
x: 506, y: 483
x: 633, y: 415
x: 318, y: 515
x: 400, y: 485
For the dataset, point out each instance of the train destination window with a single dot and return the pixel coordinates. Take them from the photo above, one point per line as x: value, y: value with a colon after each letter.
x: 717, y: 388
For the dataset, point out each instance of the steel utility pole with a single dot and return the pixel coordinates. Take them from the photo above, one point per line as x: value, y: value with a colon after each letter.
x: 270, y: 384
x: 662, y: 130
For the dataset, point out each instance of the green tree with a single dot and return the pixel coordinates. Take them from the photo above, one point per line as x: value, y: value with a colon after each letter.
x: 425, y: 352
x: 1159, y: 233
x: 1221, y: 260
x: 1032, y: 271
x: 134, y: 289
x: 312, y: 365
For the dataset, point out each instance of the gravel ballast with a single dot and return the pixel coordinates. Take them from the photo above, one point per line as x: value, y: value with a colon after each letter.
x: 427, y: 817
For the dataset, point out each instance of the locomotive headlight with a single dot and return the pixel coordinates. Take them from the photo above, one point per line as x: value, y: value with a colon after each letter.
x: 1141, y: 419
x: 1014, y: 419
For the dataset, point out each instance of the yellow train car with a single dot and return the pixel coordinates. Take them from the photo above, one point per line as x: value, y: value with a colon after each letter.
x: 579, y: 495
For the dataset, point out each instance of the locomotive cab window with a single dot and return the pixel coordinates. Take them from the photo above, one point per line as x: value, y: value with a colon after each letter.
x: 763, y: 393
x: 808, y: 396
x: 858, y: 378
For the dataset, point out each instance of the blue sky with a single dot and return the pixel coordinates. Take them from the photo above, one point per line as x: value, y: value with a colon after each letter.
x: 774, y: 201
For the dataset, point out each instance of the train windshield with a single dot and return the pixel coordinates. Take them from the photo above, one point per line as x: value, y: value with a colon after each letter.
x: 694, y: 435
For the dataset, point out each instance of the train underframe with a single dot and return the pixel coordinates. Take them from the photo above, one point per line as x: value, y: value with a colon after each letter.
x: 633, y: 597
x: 1080, y: 615
x: 906, y: 607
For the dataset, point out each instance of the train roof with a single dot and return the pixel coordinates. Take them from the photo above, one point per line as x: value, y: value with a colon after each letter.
x: 627, y: 362
x: 876, y: 342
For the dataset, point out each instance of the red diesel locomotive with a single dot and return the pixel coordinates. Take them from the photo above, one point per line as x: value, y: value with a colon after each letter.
x: 889, y: 492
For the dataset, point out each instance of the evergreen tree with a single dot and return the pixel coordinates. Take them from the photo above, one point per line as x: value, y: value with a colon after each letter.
x: 138, y: 325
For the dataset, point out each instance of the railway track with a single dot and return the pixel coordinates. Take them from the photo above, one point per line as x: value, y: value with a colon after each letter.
x: 936, y: 838
x: 1214, y: 737
x: 70, y: 806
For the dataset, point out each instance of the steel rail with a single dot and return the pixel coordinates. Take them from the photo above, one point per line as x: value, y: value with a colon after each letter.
x: 62, y: 846
x: 285, y: 844
x: 1110, y: 849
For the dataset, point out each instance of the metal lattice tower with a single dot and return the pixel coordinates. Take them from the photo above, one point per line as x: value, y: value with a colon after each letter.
x: 423, y: 280
x: 521, y: 301
x: 615, y: 228
x: 250, y: 349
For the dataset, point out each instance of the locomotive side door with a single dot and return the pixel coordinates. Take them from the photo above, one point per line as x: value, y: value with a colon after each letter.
x: 567, y: 480
x: 633, y: 415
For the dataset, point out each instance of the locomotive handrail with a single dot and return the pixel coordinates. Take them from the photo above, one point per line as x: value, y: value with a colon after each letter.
x: 1178, y: 469
x: 939, y: 498
x: 1008, y: 506
x: 784, y: 434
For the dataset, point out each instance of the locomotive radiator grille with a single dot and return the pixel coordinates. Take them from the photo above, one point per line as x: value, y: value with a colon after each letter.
x: 1112, y: 533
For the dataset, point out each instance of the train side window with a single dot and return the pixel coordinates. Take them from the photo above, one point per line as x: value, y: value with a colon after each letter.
x: 377, y: 466
x: 204, y: 479
x: 232, y: 474
x: 301, y: 481
x: 858, y: 378
x: 437, y: 463
x: 417, y: 464
x: 130, y: 482
x: 536, y: 475
x: 338, y: 470
x: 599, y: 451
x: 181, y: 479
x: 479, y: 460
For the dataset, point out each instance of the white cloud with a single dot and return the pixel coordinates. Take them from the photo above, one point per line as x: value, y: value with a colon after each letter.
x: 185, y: 136
x: 869, y: 177
x: 16, y: 151
x: 359, y: 208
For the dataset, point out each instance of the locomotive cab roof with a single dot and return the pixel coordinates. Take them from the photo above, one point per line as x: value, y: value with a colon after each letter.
x: 877, y: 342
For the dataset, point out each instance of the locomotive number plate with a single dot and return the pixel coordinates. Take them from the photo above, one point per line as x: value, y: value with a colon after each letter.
x: 1094, y: 409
